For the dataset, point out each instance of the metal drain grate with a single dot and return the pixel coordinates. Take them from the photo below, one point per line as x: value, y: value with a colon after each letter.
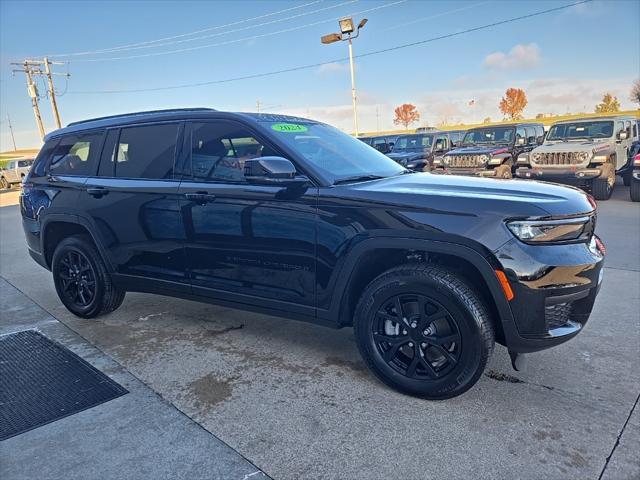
x: 41, y: 381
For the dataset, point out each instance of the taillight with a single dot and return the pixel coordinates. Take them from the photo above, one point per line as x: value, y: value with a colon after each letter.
x: 636, y: 160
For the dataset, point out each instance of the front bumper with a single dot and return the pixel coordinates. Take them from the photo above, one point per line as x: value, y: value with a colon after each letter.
x: 572, y: 176
x: 554, y: 286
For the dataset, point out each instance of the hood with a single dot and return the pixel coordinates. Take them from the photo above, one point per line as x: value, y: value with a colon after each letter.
x: 477, y: 150
x: 471, y: 195
x: 581, y: 146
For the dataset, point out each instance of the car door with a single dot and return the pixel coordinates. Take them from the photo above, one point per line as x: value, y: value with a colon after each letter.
x: 621, y: 145
x: 253, y: 244
x: 132, y: 203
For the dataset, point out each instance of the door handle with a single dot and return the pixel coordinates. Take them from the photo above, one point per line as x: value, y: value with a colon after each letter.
x: 97, y: 192
x: 200, y: 197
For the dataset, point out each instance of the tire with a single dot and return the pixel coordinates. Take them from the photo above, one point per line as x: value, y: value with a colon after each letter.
x: 634, y: 190
x: 602, y: 186
x: 504, y: 171
x: 454, y: 317
x: 4, y: 185
x: 81, y: 279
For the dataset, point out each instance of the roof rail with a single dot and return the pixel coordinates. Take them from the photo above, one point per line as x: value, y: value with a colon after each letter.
x: 149, y: 112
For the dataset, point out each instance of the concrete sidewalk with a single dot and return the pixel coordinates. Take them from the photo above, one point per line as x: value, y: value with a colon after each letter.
x: 136, y: 436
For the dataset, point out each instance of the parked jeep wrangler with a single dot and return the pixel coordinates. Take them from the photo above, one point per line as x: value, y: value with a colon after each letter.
x: 291, y: 217
x: 418, y: 151
x: 585, y: 153
x: 491, y: 151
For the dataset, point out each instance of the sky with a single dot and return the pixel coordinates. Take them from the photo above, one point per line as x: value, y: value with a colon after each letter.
x: 564, y: 60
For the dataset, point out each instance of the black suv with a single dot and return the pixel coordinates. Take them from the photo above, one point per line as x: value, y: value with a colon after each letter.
x: 418, y: 151
x: 382, y: 143
x: 292, y: 217
x: 492, y: 151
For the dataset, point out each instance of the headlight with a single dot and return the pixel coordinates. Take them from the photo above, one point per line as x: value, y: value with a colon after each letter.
x: 551, y: 231
x: 535, y: 156
x: 523, y: 158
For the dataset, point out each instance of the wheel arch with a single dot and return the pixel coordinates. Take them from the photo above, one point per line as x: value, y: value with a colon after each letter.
x: 372, y: 257
x: 56, y: 227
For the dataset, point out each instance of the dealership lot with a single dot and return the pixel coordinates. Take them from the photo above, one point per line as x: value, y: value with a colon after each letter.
x: 295, y: 399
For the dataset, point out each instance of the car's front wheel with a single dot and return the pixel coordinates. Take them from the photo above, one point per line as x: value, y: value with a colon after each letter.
x: 82, y: 280
x: 602, y: 186
x: 4, y: 184
x: 423, y: 331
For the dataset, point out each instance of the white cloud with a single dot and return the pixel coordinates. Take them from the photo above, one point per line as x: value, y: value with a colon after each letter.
x: 333, y: 67
x: 520, y: 57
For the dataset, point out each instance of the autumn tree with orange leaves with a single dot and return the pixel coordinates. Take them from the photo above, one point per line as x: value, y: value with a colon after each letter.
x: 513, y: 103
x: 406, y: 114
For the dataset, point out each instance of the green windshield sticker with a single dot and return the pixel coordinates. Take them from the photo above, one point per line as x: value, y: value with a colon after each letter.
x: 289, y: 127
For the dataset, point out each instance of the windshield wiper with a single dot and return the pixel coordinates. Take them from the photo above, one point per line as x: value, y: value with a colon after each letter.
x: 357, y: 178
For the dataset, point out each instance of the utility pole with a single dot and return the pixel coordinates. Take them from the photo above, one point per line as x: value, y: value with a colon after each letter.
x: 13, y: 140
x: 258, y: 106
x: 32, y: 68
x: 377, y: 120
x: 52, y: 93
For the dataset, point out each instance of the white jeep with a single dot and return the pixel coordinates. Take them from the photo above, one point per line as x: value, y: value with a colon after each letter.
x: 586, y: 153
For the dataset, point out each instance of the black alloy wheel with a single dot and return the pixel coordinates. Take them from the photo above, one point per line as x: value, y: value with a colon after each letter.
x: 81, y: 278
x: 422, y: 330
x: 417, y: 336
x: 78, y: 279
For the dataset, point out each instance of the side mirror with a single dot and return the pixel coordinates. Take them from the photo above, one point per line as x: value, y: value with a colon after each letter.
x: 272, y: 171
x: 520, y: 141
x: 622, y: 135
x: 540, y: 140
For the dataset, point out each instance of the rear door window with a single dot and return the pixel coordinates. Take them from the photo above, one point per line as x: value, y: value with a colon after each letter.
x: 76, y: 154
x: 146, y: 152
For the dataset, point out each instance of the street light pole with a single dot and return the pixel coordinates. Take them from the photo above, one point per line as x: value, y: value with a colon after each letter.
x: 347, y: 28
x: 354, y: 97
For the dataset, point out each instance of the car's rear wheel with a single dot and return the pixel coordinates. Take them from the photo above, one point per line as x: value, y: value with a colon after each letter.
x: 634, y: 190
x: 423, y: 331
x: 81, y: 279
x: 4, y: 184
x: 504, y: 171
x: 602, y: 186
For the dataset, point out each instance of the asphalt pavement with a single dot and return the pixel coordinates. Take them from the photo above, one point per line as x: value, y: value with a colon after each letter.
x: 296, y: 401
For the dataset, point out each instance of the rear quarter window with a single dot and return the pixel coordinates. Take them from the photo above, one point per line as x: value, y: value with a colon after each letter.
x: 76, y: 154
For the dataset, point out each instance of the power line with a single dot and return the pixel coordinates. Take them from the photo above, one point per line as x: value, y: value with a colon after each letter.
x: 315, y: 65
x: 238, y: 40
x: 105, y: 50
x: 202, y: 37
x: 431, y: 17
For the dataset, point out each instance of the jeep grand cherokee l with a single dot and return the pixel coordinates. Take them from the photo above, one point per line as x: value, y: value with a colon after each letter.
x: 585, y: 153
x: 291, y: 217
x: 492, y: 151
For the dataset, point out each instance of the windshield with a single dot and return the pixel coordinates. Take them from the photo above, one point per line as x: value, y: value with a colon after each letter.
x: 337, y: 155
x: 413, y: 142
x: 566, y: 131
x: 489, y: 135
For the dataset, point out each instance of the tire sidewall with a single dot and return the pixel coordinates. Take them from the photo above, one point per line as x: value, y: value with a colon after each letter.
x: 75, y: 244
x: 470, y: 364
